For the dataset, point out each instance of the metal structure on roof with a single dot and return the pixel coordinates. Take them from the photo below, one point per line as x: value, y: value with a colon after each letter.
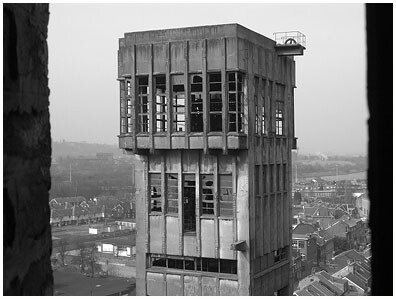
x: 290, y: 43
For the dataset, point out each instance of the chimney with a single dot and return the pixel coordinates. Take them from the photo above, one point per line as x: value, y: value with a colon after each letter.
x: 350, y: 266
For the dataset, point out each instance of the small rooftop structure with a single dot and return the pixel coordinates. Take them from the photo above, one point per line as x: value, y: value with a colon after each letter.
x: 290, y: 43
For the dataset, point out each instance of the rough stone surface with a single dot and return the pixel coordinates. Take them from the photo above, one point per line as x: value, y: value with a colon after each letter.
x: 27, y: 151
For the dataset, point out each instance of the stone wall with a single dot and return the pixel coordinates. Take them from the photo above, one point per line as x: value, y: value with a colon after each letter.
x: 27, y: 151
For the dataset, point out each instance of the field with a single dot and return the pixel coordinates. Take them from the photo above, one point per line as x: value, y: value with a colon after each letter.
x: 76, y: 284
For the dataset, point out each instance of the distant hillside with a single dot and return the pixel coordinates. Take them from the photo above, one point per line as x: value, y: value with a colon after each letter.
x: 75, y: 149
x: 314, y: 165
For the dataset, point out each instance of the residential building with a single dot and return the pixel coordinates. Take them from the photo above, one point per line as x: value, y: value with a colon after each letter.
x: 322, y: 284
x: 305, y: 244
x: 350, y: 229
x: 363, y: 205
x: 60, y: 216
x: 210, y: 112
x: 67, y: 202
x: 340, y: 261
x: 358, y: 274
x: 319, y: 213
x: 325, y: 249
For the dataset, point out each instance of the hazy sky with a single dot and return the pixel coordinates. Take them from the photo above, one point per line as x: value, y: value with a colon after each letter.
x: 330, y: 100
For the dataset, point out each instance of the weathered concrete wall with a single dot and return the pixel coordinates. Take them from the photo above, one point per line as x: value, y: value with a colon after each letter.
x: 27, y: 152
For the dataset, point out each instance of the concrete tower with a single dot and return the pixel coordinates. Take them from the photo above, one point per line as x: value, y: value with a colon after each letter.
x: 210, y: 112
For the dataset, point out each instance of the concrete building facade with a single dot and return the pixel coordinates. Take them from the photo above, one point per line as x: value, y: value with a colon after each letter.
x: 210, y: 112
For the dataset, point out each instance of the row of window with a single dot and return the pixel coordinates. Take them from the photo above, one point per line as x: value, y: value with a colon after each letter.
x: 235, y: 100
x: 206, y: 194
x: 274, y: 171
x: 193, y: 263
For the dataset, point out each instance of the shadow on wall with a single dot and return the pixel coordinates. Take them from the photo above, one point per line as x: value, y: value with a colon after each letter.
x: 27, y: 151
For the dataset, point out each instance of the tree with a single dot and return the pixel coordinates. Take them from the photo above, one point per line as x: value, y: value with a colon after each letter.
x: 62, y: 250
x: 87, y: 257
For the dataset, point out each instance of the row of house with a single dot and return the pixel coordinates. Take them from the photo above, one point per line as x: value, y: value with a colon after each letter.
x: 335, y: 221
x: 78, y: 210
x: 76, y: 215
x: 313, y: 247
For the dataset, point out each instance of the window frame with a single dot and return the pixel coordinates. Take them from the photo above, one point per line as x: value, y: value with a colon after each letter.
x: 238, y: 92
x: 168, y: 197
x: 230, y: 197
x: 194, y: 105
x: 193, y: 228
x: 157, y: 210
x: 143, y: 123
x: 217, y: 96
x: 205, y: 203
x: 161, y: 117
x: 176, y: 105
x: 279, y: 118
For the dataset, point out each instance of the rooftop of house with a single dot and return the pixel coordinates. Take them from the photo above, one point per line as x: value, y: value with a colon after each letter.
x: 303, y: 229
x: 321, y: 284
x: 356, y: 280
x: 318, y: 210
x: 62, y: 200
x: 341, y: 260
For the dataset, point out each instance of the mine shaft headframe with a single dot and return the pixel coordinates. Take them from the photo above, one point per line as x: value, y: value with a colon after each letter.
x: 290, y: 43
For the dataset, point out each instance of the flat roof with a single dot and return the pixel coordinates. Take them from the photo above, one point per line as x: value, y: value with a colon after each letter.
x: 195, y: 33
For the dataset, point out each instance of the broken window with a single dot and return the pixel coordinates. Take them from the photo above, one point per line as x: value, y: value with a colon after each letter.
x: 189, y: 221
x: 235, y: 102
x: 172, y: 193
x: 207, y: 194
x: 196, y: 114
x: 129, y: 124
x: 215, y: 103
x: 161, y: 104
x: 143, y: 104
x: 283, y: 253
x: 128, y: 87
x: 123, y: 125
x: 193, y: 263
x: 210, y: 265
x: 263, y: 103
x: 279, y: 118
x: 122, y: 108
x: 155, y: 192
x: 257, y: 116
x: 178, y: 104
x: 228, y: 266
x: 175, y: 263
x: 158, y: 261
x: 125, y: 107
x: 226, y: 198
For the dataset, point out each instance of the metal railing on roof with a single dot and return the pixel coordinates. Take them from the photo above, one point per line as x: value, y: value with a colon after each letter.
x: 290, y: 38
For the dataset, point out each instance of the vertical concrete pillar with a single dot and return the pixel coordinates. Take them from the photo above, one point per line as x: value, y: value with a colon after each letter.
x: 27, y: 241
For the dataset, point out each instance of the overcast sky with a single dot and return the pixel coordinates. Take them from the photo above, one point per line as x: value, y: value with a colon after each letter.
x: 330, y: 100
